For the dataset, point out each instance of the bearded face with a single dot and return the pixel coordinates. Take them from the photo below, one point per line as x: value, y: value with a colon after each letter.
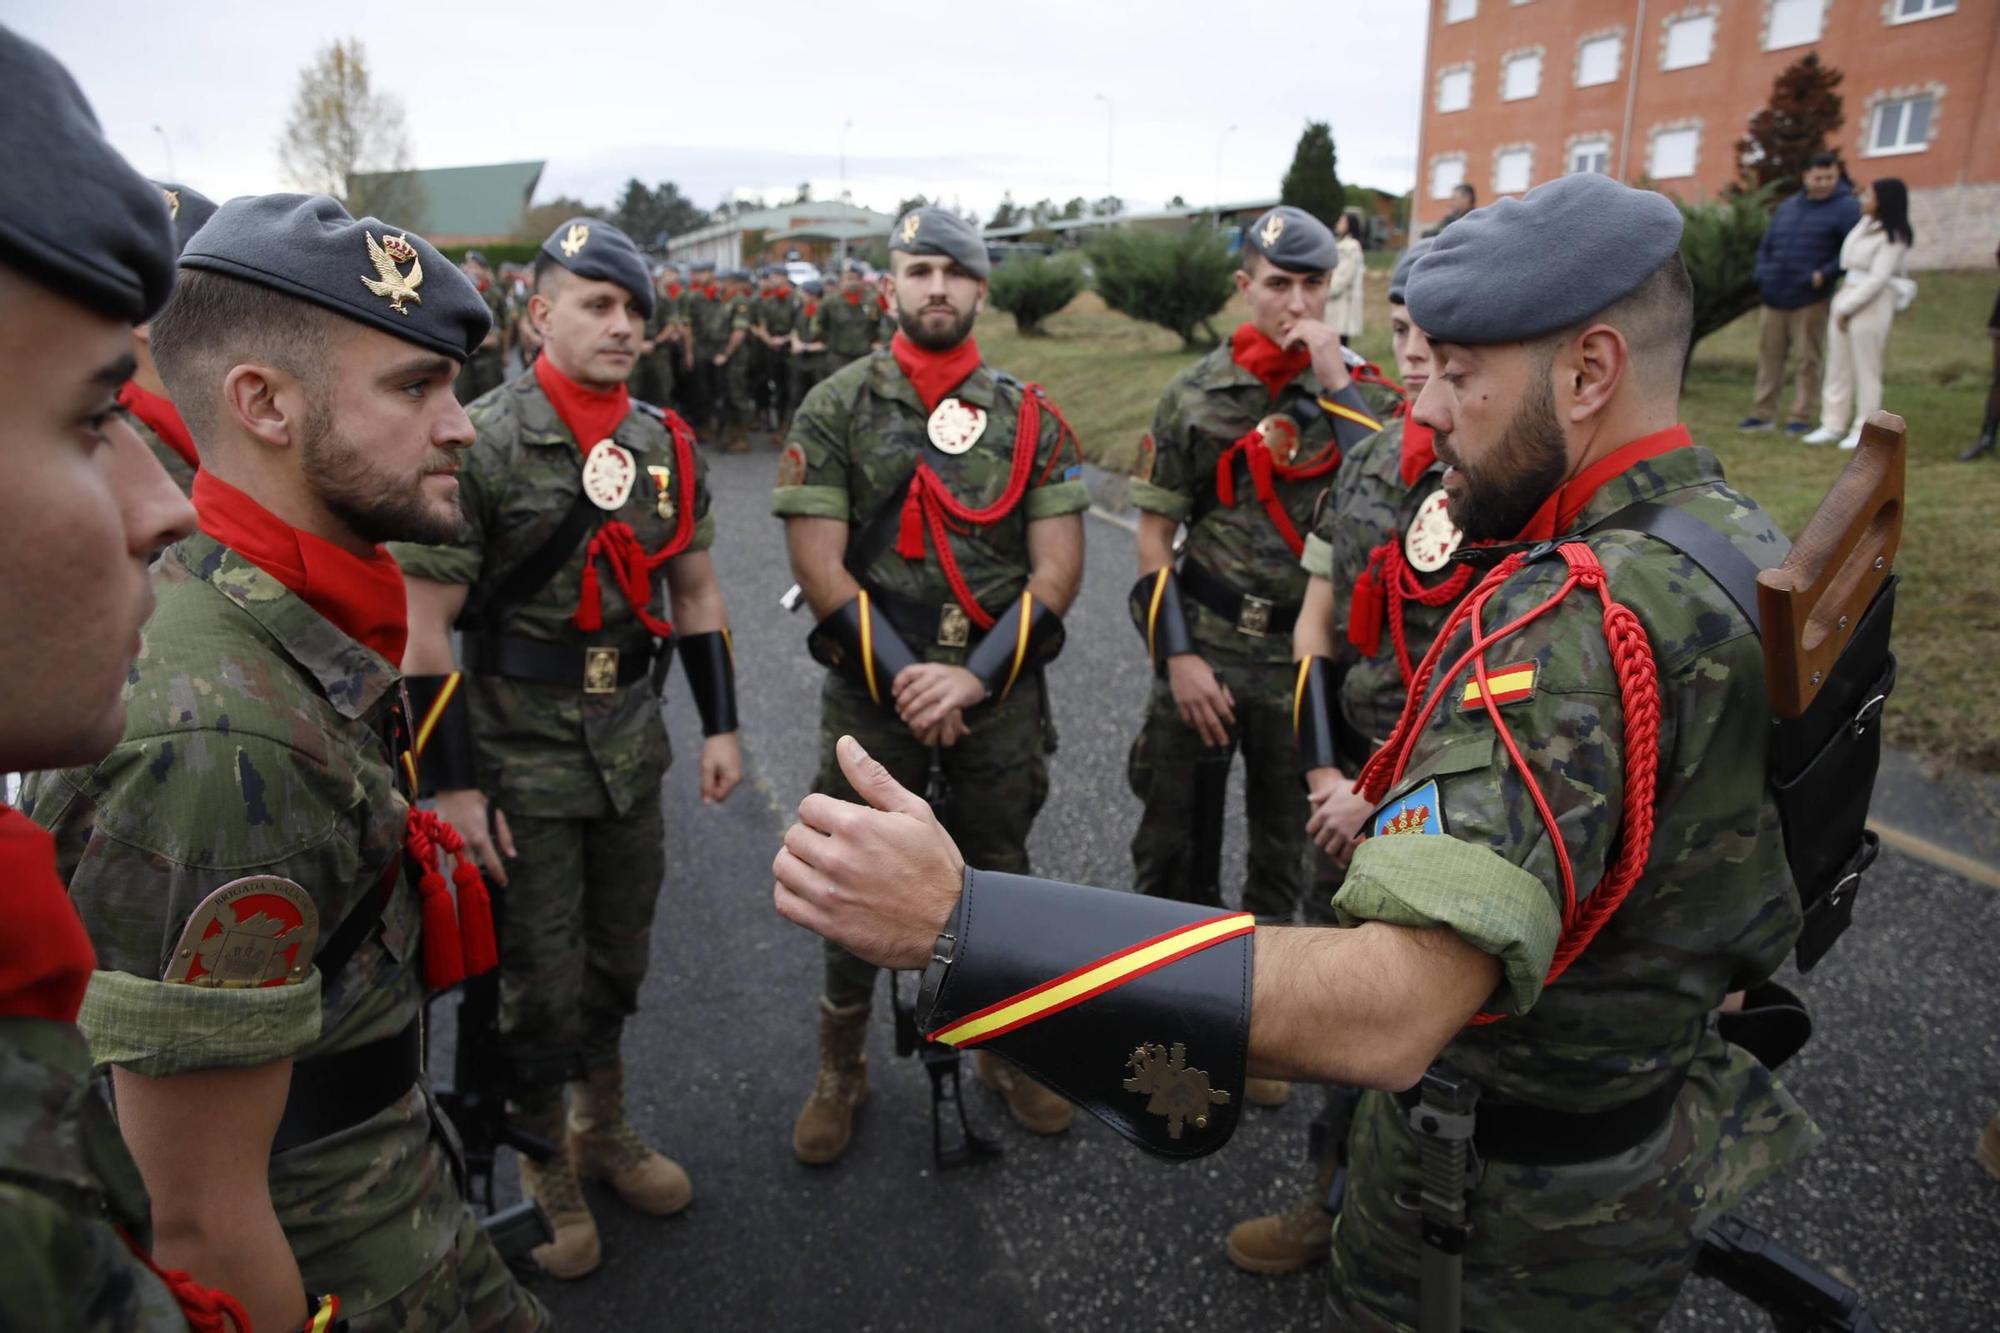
x: 375, y: 500
x: 1498, y: 489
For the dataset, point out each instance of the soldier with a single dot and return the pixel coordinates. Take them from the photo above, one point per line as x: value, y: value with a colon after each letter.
x: 486, y: 368
x: 144, y: 397
x: 739, y: 404
x: 698, y: 309
x: 660, y: 349
x: 808, y: 352
x: 777, y: 319
x: 719, y: 321
x: 1516, y: 806
x: 240, y: 857
x: 577, y: 500
x: 847, y: 329
x: 1243, y: 443
x: 937, y: 646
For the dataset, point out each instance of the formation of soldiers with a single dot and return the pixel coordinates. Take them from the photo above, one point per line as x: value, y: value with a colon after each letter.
x: 395, y: 728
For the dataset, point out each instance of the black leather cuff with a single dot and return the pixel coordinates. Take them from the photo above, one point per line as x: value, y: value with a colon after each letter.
x: 441, y: 733
x: 1147, y: 1024
x: 1315, y: 710
x: 1026, y: 634
x: 709, y: 659
x: 1353, y: 420
x: 859, y: 642
x: 1161, y: 619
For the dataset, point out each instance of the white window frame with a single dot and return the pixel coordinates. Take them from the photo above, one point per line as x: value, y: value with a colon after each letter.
x: 1892, y: 11
x: 1767, y: 42
x: 1465, y: 10
x: 1431, y: 177
x: 1712, y: 13
x: 1525, y: 151
x: 1450, y: 71
x: 1900, y: 96
x: 1577, y: 142
x: 1507, y: 62
x: 1659, y: 132
x: 1616, y: 36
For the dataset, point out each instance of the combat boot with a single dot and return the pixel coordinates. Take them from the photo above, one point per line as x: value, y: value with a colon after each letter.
x: 824, y: 1127
x: 1033, y: 1106
x: 605, y: 1147
x: 575, y: 1250
x: 1266, y: 1091
x: 1291, y: 1240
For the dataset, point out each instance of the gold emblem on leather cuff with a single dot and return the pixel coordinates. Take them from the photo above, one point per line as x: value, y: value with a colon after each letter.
x: 954, y: 626
x: 600, y: 671
x: 1172, y: 1089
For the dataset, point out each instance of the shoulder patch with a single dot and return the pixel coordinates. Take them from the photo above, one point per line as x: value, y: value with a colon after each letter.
x: 255, y: 931
x: 1142, y: 464
x: 1509, y: 684
x: 792, y: 465
x: 1415, y: 811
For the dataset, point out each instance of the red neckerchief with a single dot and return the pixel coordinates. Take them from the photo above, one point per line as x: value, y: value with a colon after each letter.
x: 590, y: 414
x: 482, y: 284
x: 45, y: 955
x: 1274, y: 366
x: 934, y: 374
x: 812, y: 308
x: 162, y: 417
x: 710, y: 292
x: 362, y: 597
x: 674, y: 289
x: 1419, y: 450
x: 1558, y: 513
x: 852, y: 298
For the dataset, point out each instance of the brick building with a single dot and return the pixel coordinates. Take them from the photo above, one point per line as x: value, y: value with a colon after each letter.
x: 1519, y: 91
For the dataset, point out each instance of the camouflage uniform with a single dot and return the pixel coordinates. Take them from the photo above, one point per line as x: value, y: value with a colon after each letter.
x: 1605, y: 1244
x: 577, y: 775
x: 779, y: 314
x: 254, y: 744
x: 848, y: 328
x: 809, y: 368
x: 1204, y: 410
x: 484, y: 369
x: 658, y: 369
x: 67, y: 1187
x: 708, y: 333
x: 854, y: 438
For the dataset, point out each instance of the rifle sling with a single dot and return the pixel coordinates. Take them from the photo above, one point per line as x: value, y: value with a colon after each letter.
x: 533, y: 574
x: 1734, y: 572
x: 347, y: 937
x: 880, y: 529
x: 337, y: 1091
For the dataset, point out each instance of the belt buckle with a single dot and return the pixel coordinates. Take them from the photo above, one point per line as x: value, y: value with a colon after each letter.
x: 1254, y: 616
x: 954, y: 626
x: 600, y: 671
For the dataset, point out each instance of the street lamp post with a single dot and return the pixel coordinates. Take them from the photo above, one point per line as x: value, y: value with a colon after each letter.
x: 840, y: 245
x: 1109, y: 129
x: 1220, y: 139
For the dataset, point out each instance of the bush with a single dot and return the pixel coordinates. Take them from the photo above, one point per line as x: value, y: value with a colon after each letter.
x: 1719, y: 242
x: 1178, y: 280
x: 1033, y: 287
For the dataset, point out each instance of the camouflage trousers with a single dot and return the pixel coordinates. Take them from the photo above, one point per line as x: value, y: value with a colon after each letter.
x: 576, y: 930
x: 472, y: 1291
x: 998, y: 778
x: 1162, y: 771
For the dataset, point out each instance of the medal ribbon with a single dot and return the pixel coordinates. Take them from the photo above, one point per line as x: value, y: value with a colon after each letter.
x: 631, y: 567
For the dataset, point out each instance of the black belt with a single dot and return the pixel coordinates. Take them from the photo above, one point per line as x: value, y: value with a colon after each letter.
x: 1527, y: 1135
x: 334, y: 1092
x: 1254, y: 616
x: 922, y: 624
x: 594, y: 668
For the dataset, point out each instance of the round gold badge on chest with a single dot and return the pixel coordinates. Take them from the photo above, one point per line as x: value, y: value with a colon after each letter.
x: 956, y: 426
x: 1432, y: 536
x: 1281, y: 437
x: 608, y: 474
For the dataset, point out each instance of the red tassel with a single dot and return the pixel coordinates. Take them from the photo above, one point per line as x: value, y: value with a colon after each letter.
x: 1225, y: 476
x: 589, y: 607
x: 910, y: 535
x: 1364, y: 614
x: 444, y: 960
x: 475, y: 919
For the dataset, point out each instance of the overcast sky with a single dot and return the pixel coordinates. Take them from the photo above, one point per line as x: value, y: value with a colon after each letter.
x: 744, y: 98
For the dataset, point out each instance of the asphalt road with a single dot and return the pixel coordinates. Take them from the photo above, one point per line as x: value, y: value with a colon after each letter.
x: 1082, y: 1231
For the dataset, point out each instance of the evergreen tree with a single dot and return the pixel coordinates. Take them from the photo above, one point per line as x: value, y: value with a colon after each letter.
x: 1178, y: 280
x: 1312, y: 183
x: 1007, y: 213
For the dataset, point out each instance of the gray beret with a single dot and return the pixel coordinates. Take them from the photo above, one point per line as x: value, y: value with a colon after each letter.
x: 593, y: 248
x: 702, y: 266
x: 1294, y: 240
x: 1547, y: 261
x: 307, y: 246
x: 1399, y: 281
x: 813, y: 286
x: 937, y: 231
x: 188, y: 207
x: 74, y: 216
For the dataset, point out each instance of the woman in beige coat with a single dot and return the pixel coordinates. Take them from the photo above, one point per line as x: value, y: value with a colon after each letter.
x: 1346, y: 294
x: 1874, y: 263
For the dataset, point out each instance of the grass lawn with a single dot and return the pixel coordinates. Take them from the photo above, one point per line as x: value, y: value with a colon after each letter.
x: 1106, y: 373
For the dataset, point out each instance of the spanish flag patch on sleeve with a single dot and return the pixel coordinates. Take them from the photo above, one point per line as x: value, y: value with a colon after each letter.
x: 1508, y: 685
x: 1415, y: 811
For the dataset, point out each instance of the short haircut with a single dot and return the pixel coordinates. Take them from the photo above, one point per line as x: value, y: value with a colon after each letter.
x: 1465, y: 188
x: 544, y: 263
x: 1819, y: 161
x: 215, y: 322
x: 1657, y: 319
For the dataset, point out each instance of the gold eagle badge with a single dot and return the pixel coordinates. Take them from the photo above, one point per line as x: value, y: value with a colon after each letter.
x: 1274, y: 227
x: 575, y: 239
x: 911, y: 224
x: 386, y: 257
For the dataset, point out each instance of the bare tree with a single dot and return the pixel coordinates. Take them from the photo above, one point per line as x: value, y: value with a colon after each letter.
x: 348, y: 140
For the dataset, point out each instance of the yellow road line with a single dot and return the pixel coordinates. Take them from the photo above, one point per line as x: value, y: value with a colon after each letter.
x: 1958, y: 863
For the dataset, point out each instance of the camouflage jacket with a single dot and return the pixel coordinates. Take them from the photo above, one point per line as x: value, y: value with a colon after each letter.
x: 847, y: 329
x: 255, y: 745
x: 778, y: 314
x: 860, y: 431
x: 1368, y: 505
x: 711, y: 318
x: 179, y: 470
x: 543, y: 749
x: 67, y: 1187
x: 1204, y: 410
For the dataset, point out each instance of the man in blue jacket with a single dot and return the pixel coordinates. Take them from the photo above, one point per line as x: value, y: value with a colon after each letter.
x: 1798, y: 265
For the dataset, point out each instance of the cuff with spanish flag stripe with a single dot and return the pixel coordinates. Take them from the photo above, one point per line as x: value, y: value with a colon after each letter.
x: 440, y: 734
x: 1353, y: 420
x: 1315, y: 705
x: 1026, y: 634
x: 1135, y: 1008
x: 859, y: 642
x: 1162, y: 621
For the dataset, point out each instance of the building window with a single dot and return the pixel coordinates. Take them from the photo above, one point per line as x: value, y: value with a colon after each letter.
x: 1447, y: 174
x: 1792, y: 22
x: 1512, y: 166
x: 1455, y: 88
x: 1458, y: 11
x: 1909, y: 11
x: 1597, y: 59
x: 1689, y: 39
x: 1590, y: 154
x: 1520, y: 74
x: 1902, y: 124
x: 1674, y: 151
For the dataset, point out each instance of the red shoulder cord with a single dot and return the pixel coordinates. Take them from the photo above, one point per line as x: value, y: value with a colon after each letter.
x: 931, y: 507
x: 458, y: 941
x: 1639, y: 699
x: 631, y: 567
x: 204, y: 1307
x: 1370, y: 373
x: 1389, y: 583
x: 1263, y: 467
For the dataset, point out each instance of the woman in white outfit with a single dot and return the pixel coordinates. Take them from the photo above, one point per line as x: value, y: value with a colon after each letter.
x: 1873, y: 260
x: 1346, y: 294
